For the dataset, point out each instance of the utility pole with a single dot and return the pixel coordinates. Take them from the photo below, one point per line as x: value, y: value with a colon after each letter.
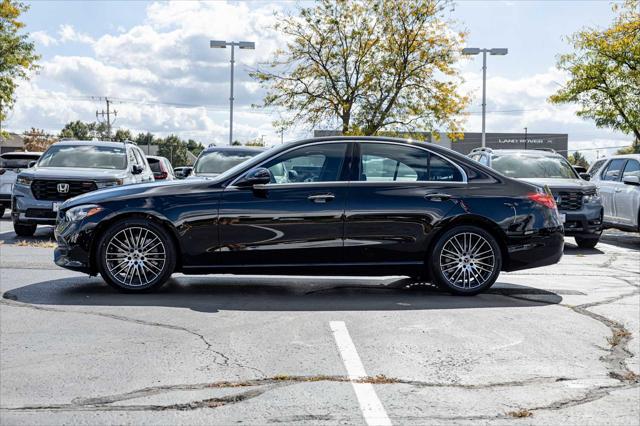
x: 525, y: 138
x: 100, y: 116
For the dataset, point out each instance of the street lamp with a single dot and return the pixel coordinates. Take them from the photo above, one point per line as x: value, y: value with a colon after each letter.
x: 221, y: 44
x: 476, y: 51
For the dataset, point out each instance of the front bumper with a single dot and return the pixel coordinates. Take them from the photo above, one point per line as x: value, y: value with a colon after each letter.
x: 25, y: 208
x: 586, y: 222
x: 75, y: 243
x: 5, y: 201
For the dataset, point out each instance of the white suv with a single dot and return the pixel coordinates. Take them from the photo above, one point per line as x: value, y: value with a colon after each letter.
x: 618, y: 181
x: 12, y: 163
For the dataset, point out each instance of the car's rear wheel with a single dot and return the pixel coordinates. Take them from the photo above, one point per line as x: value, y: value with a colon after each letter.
x: 24, y: 229
x: 136, y: 255
x: 466, y: 260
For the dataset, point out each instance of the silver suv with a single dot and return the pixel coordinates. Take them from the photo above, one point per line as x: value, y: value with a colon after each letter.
x: 12, y: 163
x: 618, y: 180
x: 68, y: 169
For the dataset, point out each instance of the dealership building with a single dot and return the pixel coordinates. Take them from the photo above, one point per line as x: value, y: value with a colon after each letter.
x: 471, y: 140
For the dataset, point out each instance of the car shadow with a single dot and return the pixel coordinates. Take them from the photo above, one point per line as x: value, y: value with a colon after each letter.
x: 627, y: 240
x: 44, y: 234
x: 211, y: 294
x: 571, y: 249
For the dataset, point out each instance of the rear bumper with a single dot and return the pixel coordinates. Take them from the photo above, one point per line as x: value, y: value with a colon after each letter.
x: 542, y: 249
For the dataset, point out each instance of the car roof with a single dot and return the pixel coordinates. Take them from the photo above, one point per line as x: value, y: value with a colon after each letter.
x: 234, y: 148
x: 91, y: 143
x: 156, y: 157
x: 633, y: 156
x: 528, y: 152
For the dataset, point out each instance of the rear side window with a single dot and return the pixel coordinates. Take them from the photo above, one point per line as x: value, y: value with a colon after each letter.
x: 393, y: 163
x: 613, y: 170
x: 631, y: 169
x: 16, y: 162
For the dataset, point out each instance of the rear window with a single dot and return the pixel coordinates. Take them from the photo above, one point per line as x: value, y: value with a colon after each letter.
x: 17, y: 161
x: 154, y: 163
x: 529, y: 166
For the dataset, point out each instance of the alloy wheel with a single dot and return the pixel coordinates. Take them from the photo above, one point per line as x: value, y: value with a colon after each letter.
x: 467, y: 260
x: 135, y: 256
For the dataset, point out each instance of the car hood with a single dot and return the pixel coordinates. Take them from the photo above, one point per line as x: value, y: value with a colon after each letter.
x: 564, y: 184
x: 141, y: 190
x: 73, y: 173
x: 204, y: 176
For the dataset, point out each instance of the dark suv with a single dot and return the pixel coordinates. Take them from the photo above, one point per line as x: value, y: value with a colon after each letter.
x: 68, y: 169
x: 578, y: 200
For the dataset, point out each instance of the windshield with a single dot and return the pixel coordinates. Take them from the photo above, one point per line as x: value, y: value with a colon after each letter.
x: 216, y: 162
x: 528, y: 166
x: 84, y: 156
x: 17, y: 161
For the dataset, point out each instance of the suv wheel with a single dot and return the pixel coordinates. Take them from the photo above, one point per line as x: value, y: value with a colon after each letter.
x: 24, y: 229
x: 136, y: 255
x: 466, y: 260
x: 586, y: 243
x: 1, y: 211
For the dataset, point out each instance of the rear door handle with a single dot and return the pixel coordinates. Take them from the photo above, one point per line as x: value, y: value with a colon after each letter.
x: 437, y: 197
x: 321, y: 198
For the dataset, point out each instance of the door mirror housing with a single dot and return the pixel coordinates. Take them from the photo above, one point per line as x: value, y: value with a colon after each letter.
x: 136, y: 169
x: 585, y: 176
x: 631, y: 180
x: 257, y: 176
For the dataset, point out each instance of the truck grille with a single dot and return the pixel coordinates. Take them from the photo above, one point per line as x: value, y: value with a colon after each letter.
x: 570, y: 200
x: 48, y: 189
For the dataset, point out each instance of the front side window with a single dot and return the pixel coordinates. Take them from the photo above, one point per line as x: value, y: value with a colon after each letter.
x: 396, y: 163
x: 531, y: 166
x: 631, y: 169
x: 84, y: 156
x: 613, y: 170
x: 216, y: 162
x: 314, y: 163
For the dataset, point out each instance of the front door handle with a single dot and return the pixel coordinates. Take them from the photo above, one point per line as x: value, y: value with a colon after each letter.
x: 321, y: 198
x: 618, y: 190
x: 437, y: 197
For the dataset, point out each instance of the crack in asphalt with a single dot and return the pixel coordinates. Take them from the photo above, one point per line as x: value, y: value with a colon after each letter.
x: 104, y: 403
x: 219, y: 358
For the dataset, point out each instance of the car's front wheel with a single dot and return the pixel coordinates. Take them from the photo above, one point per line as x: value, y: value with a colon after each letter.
x: 466, y: 260
x: 587, y: 243
x: 24, y: 229
x: 136, y: 255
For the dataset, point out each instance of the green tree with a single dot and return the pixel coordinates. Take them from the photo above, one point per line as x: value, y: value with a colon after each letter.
x: 144, y: 140
x: 76, y: 130
x: 194, y: 147
x: 17, y: 54
x: 123, y: 135
x: 604, y: 72
x: 371, y: 65
x: 236, y: 143
x: 578, y: 159
x: 173, y: 148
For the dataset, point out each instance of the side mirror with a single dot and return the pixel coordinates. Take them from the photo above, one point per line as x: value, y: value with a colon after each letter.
x: 32, y: 163
x: 293, y: 175
x: 136, y: 169
x: 585, y: 176
x: 187, y: 172
x: 631, y: 180
x: 257, y: 176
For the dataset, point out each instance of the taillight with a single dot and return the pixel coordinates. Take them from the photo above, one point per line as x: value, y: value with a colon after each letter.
x: 544, y: 199
x: 161, y: 175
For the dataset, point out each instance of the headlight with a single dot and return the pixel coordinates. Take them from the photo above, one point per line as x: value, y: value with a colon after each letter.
x: 75, y: 214
x: 593, y: 198
x: 109, y: 184
x: 24, y: 180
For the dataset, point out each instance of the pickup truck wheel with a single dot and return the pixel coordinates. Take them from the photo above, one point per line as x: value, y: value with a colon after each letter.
x: 136, y: 255
x: 587, y: 243
x: 24, y: 229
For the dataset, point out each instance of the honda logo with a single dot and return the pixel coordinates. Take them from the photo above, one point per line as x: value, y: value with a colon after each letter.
x: 63, y: 188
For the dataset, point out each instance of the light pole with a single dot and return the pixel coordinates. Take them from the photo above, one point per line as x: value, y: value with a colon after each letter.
x: 221, y: 44
x: 476, y: 51
x: 525, y: 138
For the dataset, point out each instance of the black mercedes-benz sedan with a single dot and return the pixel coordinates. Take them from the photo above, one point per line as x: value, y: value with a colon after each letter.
x: 328, y: 206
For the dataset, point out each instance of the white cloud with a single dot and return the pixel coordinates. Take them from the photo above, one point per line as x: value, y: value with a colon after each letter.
x: 43, y: 38
x: 68, y: 33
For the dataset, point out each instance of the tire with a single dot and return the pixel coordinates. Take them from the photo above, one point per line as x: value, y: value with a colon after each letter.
x: 466, y: 260
x: 136, y: 255
x: 586, y: 243
x: 1, y: 212
x: 24, y: 229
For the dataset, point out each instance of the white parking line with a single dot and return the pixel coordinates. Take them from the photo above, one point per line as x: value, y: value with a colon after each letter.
x: 370, y: 405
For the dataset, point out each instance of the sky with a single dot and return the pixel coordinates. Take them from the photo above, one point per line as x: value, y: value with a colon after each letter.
x: 153, y: 60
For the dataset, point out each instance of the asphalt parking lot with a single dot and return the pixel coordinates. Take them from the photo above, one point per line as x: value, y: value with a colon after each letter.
x: 546, y: 346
